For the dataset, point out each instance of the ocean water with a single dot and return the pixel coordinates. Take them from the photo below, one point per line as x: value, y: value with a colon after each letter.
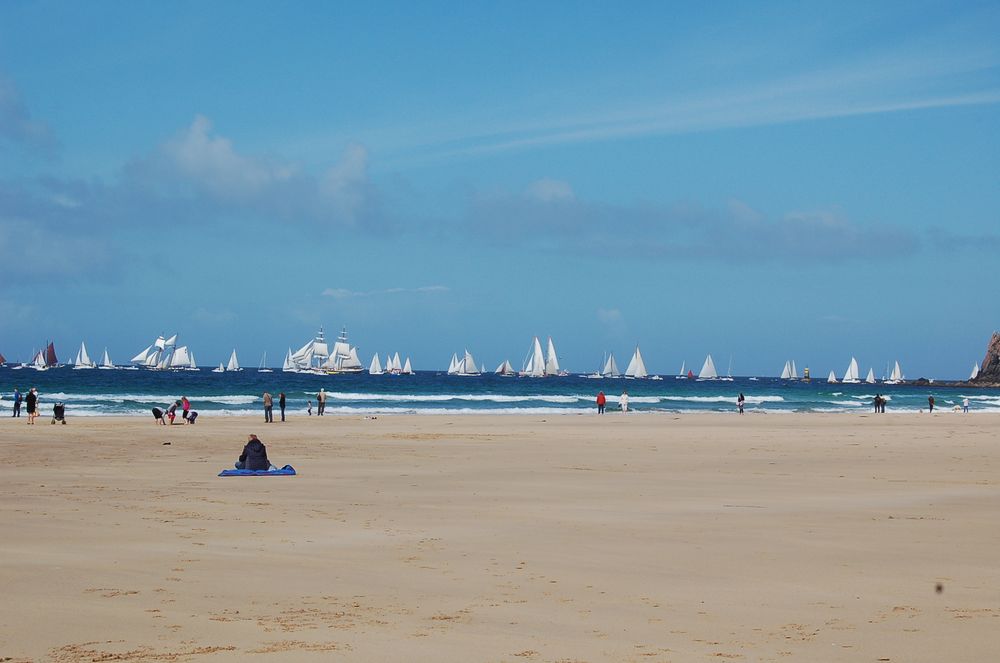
x: 119, y: 392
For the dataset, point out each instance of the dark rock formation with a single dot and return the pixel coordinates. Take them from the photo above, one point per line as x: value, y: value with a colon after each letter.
x: 989, y: 370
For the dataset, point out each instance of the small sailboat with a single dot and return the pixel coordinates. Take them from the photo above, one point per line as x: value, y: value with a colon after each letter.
x: 729, y: 371
x: 83, y: 359
x: 288, y: 366
x: 708, y: 371
x: 505, y: 369
x: 852, y: 376
x: 552, y: 361
x: 534, y: 363
x: 263, y: 365
x: 832, y: 379
x: 375, y: 368
x: 682, y: 375
x: 636, y: 366
x: 407, y: 369
x: 786, y: 372
x: 106, y: 363
x: 975, y: 371
x: 220, y: 369
x: 466, y: 366
x: 234, y: 364
x: 870, y: 378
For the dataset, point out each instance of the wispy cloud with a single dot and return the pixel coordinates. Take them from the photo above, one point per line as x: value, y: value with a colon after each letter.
x: 344, y: 293
x: 17, y: 126
x: 682, y: 231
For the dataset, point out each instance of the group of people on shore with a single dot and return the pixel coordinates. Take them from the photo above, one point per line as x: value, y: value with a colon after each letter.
x: 32, y: 406
x: 602, y: 402
x: 169, y: 413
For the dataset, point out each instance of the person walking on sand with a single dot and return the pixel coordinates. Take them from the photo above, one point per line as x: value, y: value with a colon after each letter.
x: 601, y: 401
x: 281, y: 404
x: 623, y: 402
x: 965, y: 405
x: 309, y: 408
x: 321, y: 402
x: 739, y: 402
x: 17, y: 403
x: 268, y: 407
x: 31, y: 405
x: 930, y: 404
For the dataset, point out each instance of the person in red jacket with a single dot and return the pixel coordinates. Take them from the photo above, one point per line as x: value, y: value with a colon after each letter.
x: 601, y: 400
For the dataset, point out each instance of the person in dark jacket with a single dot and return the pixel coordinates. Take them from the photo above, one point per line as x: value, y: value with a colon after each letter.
x: 281, y: 404
x: 17, y: 403
x: 254, y: 456
x: 31, y: 402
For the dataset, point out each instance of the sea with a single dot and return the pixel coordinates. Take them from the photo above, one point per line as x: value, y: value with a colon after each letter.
x: 129, y: 393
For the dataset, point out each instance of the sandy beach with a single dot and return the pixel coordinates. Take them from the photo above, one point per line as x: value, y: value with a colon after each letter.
x: 504, y: 538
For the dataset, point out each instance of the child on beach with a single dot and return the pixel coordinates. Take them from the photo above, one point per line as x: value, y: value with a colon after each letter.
x: 309, y: 408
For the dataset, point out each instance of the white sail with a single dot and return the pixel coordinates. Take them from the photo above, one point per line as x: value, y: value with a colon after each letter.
x: 263, y: 364
x: 106, y: 360
x: 708, y: 371
x: 636, y: 367
x: 407, y: 369
x: 853, y: 375
x: 786, y: 372
x: 683, y: 372
x: 288, y: 366
x: 180, y: 358
x: 795, y: 371
x: 83, y: 359
x: 870, y: 379
x: 234, y: 364
x: 610, y: 369
x: 551, y: 362
x: 193, y: 365
x: 534, y: 365
x: 376, y: 366
x: 142, y: 356
x: 220, y: 369
x: 897, y: 374
x: 160, y: 343
x: 453, y: 366
x: 396, y: 366
x: 468, y: 365
x: 975, y: 371
x: 170, y: 342
x: 504, y: 368
x: 312, y: 355
x: 832, y: 378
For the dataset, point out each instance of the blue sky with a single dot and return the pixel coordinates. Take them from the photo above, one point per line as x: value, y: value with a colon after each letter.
x: 767, y: 181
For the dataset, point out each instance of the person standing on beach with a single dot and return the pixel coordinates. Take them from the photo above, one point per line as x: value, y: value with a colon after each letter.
x: 965, y: 405
x: 930, y: 404
x: 309, y: 408
x: 17, y: 403
x: 321, y: 402
x: 185, y: 408
x: 877, y: 402
x: 31, y: 404
x: 268, y: 407
x: 623, y: 402
x: 739, y: 402
x: 281, y: 404
x: 601, y: 400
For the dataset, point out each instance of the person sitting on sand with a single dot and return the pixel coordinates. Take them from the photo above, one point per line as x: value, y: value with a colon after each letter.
x: 254, y: 456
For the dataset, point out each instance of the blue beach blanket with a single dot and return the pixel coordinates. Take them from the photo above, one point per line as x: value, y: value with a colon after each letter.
x: 286, y: 471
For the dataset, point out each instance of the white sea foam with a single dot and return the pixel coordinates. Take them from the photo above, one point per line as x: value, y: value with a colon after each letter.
x: 239, y: 399
x: 443, y: 398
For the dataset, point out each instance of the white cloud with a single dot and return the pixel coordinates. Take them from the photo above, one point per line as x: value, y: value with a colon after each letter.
x: 344, y: 293
x: 16, y: 124
x: 549, y: 190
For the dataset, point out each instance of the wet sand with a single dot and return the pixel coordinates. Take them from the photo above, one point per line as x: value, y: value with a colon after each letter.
x: 505, y: 538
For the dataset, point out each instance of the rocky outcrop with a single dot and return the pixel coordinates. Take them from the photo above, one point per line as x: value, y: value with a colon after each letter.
x: 989, y: 370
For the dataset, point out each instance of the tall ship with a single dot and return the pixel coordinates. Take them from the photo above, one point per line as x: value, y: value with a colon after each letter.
x: 316, y: 356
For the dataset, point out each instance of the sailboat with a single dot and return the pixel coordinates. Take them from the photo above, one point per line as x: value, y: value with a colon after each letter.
x: 263, y: 365
x: 832, y: 379
x: 220, y: 369
x: 534, y: 363
x: 375, y: 368
x: 38, y: 362
x: 310, y: 357
x: 466, y: 366
x: 288, y: 366
x: 975, y: 371
x: 552, y: 362
x: 636, y: 367
x: 682, y: 375
x: 182, y: 359
x: 407, y: 368
x: 870, y: 379
x: 344, y: 358
x: 708, y: 371
x: 106, y: 363
x: 395, y: 368
x: 896, y: 376
x: 505, y: 369
x: 83, y: 359
x: 786, y: 372
x: 233, y: 364
x: 729, y: 371
x: 158, y: 354
x: 852, y: 376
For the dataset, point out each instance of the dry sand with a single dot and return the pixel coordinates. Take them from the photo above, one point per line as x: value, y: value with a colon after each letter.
x: 505, y: 538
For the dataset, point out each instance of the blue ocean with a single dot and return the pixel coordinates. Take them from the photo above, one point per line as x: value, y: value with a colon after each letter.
x: 120, y: 392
